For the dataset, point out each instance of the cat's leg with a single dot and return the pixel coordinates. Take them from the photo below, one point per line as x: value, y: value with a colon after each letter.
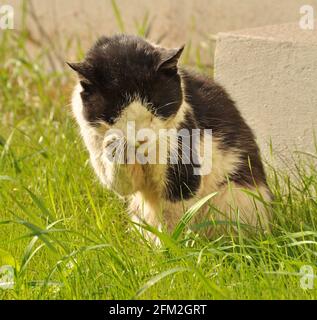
x: 145, y: 212
x: 232, y: 205
x: 248, y: 206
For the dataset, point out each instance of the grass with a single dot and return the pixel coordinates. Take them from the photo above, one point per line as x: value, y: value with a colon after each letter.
x: 66, y: 237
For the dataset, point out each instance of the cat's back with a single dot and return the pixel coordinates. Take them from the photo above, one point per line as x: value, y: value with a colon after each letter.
x: 212, y: 106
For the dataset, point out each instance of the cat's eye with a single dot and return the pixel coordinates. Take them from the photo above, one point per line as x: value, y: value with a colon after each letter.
x: 87, y: 87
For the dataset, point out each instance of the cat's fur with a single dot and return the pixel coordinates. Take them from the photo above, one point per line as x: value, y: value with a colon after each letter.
x: 125, y: 78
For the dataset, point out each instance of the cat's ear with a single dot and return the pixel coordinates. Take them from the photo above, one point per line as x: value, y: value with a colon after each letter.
x: 81, y: 68
x: 169, y: 59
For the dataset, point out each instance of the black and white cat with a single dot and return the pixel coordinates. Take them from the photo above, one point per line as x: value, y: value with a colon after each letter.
x: 127, y: 79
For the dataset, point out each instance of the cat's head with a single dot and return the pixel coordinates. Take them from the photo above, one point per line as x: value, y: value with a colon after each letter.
x: 126, y: 76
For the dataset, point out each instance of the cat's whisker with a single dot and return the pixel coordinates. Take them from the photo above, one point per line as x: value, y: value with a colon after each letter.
x: 165, y: 105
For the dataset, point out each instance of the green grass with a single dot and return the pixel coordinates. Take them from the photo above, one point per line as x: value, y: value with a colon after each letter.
x: 68, y: 238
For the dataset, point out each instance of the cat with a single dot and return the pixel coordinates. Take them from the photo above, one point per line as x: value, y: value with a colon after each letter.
x: 125, y: 78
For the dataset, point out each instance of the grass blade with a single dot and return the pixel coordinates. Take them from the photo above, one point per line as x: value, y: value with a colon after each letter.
x: 156, y: 279
x: 190, y: 214
x: 118, y: 15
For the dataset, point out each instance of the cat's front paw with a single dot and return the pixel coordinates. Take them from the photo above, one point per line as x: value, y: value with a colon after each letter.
x: 118, y: 175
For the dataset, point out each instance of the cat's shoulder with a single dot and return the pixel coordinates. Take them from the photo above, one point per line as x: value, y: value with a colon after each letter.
x: 193, y: 80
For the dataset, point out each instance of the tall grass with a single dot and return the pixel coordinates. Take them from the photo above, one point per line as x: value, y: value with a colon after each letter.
x: 66, y: 237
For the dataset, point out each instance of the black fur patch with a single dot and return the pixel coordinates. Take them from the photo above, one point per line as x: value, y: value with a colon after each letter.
x: 182, y: 183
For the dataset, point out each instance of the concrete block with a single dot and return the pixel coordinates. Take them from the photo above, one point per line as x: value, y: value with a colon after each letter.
x: 271, y: 72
